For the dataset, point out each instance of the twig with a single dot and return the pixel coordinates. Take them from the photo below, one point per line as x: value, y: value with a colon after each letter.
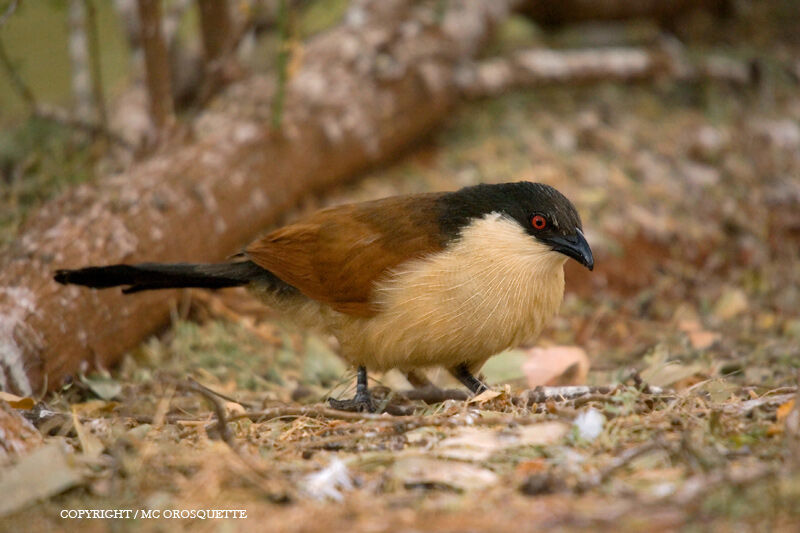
x: 560, y: 394
x: 406, y: 422
x: 307, y: 411
x: 432, y: 394
x: 219, y: 410
x: 227, y: 436
x: 583, y: 400
x: 765, y: 401
x: 17, y: 82
x: 219, y: 394
x: 618, y: 463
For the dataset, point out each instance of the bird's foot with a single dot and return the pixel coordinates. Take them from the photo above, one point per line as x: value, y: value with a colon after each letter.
x: 362, y: 402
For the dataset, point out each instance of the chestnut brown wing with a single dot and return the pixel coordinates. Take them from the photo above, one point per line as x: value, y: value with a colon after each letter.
x: 338, y: 254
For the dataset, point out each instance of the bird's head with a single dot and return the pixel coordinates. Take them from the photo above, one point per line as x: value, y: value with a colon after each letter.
x: 543, y: 213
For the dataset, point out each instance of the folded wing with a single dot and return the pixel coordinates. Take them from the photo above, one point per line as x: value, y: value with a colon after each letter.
x: 337, y: 255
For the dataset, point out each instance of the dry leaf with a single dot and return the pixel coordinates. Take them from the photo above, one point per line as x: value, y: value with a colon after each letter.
x: 90, y: 444
x: 699, y: 338
x: 43, y: 473
x: 731, y: 303
x: 505, y: 366
x: 662, y: 373
x: 17, y: 435
x: 478, y: 444
x: 534, y: 466
x: 485, y: 396
x: 783, y: 411
x: 93, y: 407
x: 556, y: 365
x: 234, y: 408
x: 104, y: 387
x: 17, y: 402
x: 419, y: 471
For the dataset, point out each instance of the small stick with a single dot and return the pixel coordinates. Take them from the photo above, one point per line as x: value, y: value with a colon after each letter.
x: 219, y: 394
x: 618, y: 463
x: 219, y: 410
x: 433, y: 394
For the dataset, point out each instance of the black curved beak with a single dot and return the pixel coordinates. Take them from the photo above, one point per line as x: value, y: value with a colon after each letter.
x: 574, y: 246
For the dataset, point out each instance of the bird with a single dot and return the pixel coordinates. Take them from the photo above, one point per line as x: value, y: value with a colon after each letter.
x: 444, y: 279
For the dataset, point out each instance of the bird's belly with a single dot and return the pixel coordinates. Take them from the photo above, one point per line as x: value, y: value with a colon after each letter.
x: 447, y: 314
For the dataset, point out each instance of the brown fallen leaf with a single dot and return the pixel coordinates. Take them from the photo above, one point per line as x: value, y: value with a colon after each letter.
x: 17, y: 402
x: 699, y: 338
x: 533, y: 466
x: 17, y: 435
x: 781, y: 417
x: 485, y: 396
x: 662, y: 373
x: 783, y: 411
x: 556, y: 365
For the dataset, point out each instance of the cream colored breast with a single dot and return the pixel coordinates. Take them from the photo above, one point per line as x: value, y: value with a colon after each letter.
x: 493, y: 289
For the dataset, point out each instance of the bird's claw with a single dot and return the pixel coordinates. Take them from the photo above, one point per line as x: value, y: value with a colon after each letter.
x: 361, y: 403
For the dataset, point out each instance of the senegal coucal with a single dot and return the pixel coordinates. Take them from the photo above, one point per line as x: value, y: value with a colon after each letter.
x: 439, y: 279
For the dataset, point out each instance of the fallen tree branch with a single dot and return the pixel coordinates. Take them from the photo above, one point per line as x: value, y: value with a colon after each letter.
x: 363, y: 93
x: 526, y: 69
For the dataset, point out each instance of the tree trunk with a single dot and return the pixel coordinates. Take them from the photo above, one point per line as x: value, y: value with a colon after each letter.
x: 156, y: 65
x: 216, y: 27
x: 365, y: 92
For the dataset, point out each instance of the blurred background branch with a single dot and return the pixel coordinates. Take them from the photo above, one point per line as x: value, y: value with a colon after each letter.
x: 157, y: 70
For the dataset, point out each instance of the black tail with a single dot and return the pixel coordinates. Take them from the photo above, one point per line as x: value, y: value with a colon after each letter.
x: 147, y: 276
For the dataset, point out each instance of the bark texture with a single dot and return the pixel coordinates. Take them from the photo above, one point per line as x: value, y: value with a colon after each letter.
x: 366, y: 90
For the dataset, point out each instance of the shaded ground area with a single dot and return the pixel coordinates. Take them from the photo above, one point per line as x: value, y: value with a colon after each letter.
x: 691, y: 200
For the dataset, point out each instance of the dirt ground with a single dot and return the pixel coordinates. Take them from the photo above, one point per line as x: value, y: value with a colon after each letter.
x: 690, y: 197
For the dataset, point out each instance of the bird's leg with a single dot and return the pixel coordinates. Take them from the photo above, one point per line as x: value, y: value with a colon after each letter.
x: 461, y: 373
x: 419, y: 380
x: 362, y: 401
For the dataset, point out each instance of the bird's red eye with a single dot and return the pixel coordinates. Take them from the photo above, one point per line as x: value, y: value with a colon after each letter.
x: 538, y: 222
